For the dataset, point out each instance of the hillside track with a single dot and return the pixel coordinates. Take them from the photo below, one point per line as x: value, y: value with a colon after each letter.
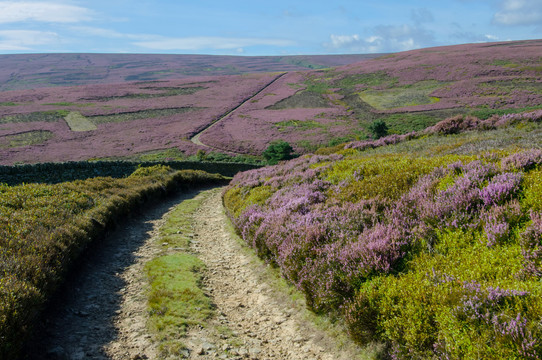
x: 101, y: 312
x: 254, y: 320
x: 196, y: 138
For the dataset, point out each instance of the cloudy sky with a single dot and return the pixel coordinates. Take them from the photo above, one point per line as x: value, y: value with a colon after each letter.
x: 278, y: 27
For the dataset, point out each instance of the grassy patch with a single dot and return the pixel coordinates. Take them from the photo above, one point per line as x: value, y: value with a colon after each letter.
x: 175, y: 298
x: 507, y: 86
x: 485, y: 113
x: 25, y: 139
x: 8, y: 103
x: 65, y: 103
x: 46, y: 116
x: 162, y: 92
x: 403, y: 96
x: 137, y: 115
x: 78, y: 122
x: 298, y: 125
x: 379, y: 78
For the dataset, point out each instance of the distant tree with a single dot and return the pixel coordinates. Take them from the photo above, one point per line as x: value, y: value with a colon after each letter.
x: 277, y: 151
x: 379, y: 129
x: 201, y: 155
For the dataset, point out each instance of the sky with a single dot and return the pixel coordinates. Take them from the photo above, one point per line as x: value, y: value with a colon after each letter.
x: 277, y: 27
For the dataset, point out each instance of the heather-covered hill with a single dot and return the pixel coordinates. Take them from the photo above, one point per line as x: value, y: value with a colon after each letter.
x: 409, y: 91
x: 242, y: 114
x: 28, y: 71
x: 427, y: 244
x: 118, y: 120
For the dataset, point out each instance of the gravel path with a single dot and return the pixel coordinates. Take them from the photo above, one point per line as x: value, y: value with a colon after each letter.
x: 102, y: 311
x: 254, y: 320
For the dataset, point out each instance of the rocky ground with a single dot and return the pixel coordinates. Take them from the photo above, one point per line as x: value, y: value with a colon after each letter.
x: 101, y: 312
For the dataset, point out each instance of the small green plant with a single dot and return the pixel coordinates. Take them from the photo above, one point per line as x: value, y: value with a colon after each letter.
x: 277, y: 151
x: 378, y: 129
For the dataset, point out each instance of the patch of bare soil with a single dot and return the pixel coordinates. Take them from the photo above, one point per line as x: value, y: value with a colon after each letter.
x: 254, y: 320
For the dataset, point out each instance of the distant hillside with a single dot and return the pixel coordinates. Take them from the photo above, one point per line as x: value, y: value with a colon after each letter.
x: 242, y: 114
x: 28, y: 71
x: 409, y: 91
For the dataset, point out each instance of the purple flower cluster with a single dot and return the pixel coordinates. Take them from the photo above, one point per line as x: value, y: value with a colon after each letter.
x: 525, y: 160
x: 497, y: 221
x: 327, y: 248
x: 501, y: 188
x: 488, y: 307
x: 531, y: 243
x: 383, y: 141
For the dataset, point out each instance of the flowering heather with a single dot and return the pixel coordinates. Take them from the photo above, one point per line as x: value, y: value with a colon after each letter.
x: 531, y: 242
x: 452, y: 248
x: 501, y: 188
x: 130, y: 117
x: 525, y: 160
x: 471, y: 73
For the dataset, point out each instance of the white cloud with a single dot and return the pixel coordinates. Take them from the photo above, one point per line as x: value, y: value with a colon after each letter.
x: 11, y: 12
x: 384, y: 38
x: 199, y: 43
x: 14, y: 40
x: 340, y: 41
x: 519, y: 12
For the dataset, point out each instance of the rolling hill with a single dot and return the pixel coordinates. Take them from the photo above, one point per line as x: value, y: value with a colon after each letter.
x: 157, y: 115
x: 27, y: 71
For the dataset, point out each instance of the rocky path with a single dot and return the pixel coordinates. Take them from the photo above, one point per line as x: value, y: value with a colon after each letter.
x: 102, y: 313
x: 254, y: 321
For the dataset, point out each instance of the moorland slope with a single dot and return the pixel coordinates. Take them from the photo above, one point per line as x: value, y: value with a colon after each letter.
x: 408, y: 91
x: 28, y: 71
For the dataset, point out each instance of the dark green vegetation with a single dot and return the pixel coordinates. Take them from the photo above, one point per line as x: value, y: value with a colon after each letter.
x: 45, y: 116
x: 378, y: 129
x: 44, y: 228
x: 428, y: 246
x: 53, y: 173
x: 277, y: 151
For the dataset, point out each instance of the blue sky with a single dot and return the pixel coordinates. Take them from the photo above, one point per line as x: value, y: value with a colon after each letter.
x: 255, y: 27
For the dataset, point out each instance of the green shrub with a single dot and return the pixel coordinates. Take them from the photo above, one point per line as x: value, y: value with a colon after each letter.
x: 378, y: 129
x: 277, y: 151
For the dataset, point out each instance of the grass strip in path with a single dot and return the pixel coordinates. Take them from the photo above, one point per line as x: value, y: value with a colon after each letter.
x: 175, y: 299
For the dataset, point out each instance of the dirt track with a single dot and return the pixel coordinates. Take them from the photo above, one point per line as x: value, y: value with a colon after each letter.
x: 102, y: 313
